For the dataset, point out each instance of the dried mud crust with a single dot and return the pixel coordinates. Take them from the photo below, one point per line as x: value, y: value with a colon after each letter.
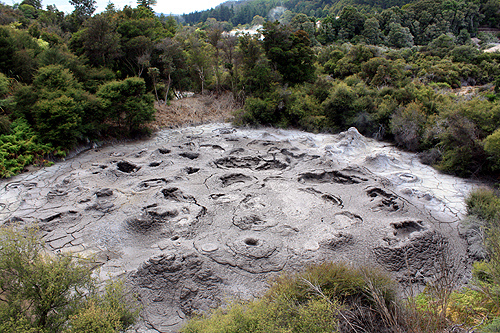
x: 195, y: 110
x: 198, y: 214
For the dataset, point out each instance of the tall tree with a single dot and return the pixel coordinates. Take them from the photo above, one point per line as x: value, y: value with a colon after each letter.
x: 83, y: 8
x: 289, y: 52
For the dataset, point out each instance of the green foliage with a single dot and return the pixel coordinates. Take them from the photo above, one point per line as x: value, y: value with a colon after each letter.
x: 47, y: 292
x: 306, y: 302
x: 492, y: 147
x: 58, y: 120
x: 339, y: 106
x: 38, y: 288
x: 105, y: 313
x: 127, y: 103
x: 19, y: 148
x: 407, y: 125
x: 484, y: 204
x: 290, y: 52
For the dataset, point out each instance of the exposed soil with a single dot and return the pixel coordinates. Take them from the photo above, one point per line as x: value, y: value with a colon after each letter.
x: 195, y: 110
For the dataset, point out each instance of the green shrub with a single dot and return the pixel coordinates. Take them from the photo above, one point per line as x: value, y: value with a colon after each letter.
x: 19, y: 148
x: 107, y: 313
x: 484, y: 204
x: 127, y: 103
x: 339, y: 106
x: 321, y: 299
x: 44, y: 292
x: 407, y: 126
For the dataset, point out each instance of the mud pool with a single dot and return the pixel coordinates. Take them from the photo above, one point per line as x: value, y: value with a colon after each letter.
x: 196, y: 215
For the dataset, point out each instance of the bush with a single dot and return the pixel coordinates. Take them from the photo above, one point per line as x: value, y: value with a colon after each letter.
x: 127, y: 103
x: 484, y: 204
x: 323, y: 298
x: 407, y: 126
x: 42, y: 292
x: 19, y: 148
x: 339, y: 106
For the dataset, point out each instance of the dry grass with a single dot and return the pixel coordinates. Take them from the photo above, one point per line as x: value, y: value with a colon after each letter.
x: 195, y: 110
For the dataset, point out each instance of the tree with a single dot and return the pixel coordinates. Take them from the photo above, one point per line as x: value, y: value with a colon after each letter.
x: 83, y: 9
x: 127, y: 103
x: 146, y: 4
x: 42, y: 292
x: 290, y: 53
x: 371, y: 31
x: 399, y: 36
x: 351, y: 23
x: 99, y: 41
x: 38, y: 290
x: 172, y: 59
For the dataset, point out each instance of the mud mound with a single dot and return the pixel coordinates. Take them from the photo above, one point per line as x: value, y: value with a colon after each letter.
x: 175, y: 285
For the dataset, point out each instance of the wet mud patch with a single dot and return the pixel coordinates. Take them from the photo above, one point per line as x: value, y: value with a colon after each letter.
x: 175, y: 194
x: 337, y: 241
x: 164, y: 151
x: 149, y: 184
x: 250, y: 162
x: 104, y: 192
x: 346, y: 219
x: 253, y: 222
x: 235, y: 178
x: 334, y: 176
x: 191, y: 170
x: 383, y: 200
x: 127, y: 167
x: 155, y: 164
x: 406, y: 228
x: 252, y: 252
x: 414, y: 256
x: 190, y: 155
x: 175, y: 285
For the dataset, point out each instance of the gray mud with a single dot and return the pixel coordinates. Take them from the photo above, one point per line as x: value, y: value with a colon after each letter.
x: 194, y: 216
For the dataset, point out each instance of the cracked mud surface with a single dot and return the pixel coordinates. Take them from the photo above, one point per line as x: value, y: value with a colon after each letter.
x: 196, y: 215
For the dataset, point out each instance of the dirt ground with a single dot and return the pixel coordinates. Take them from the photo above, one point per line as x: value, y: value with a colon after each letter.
x: 195, y: 110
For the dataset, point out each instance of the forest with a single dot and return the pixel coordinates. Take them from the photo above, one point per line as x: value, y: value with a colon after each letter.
x: 415, y: 73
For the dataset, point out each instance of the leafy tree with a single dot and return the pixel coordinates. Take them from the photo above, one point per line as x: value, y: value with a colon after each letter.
x: 407, y: 125
x: 289, y: 52
x: 399, y: 36
x: 98, y: 41
x: 83, y: 9
x: 492, y: 147
x: 39, y: 290
x: 351, y: 23
x: 173, y: 64
x: 46, y: 292
x: 339, y: 106
x: 147, y: 4
x: 371, y: 31
x: 127, y: 103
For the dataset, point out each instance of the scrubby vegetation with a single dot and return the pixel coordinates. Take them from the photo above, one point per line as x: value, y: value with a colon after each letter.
x: 321, y: 299
x: 45, y: 292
